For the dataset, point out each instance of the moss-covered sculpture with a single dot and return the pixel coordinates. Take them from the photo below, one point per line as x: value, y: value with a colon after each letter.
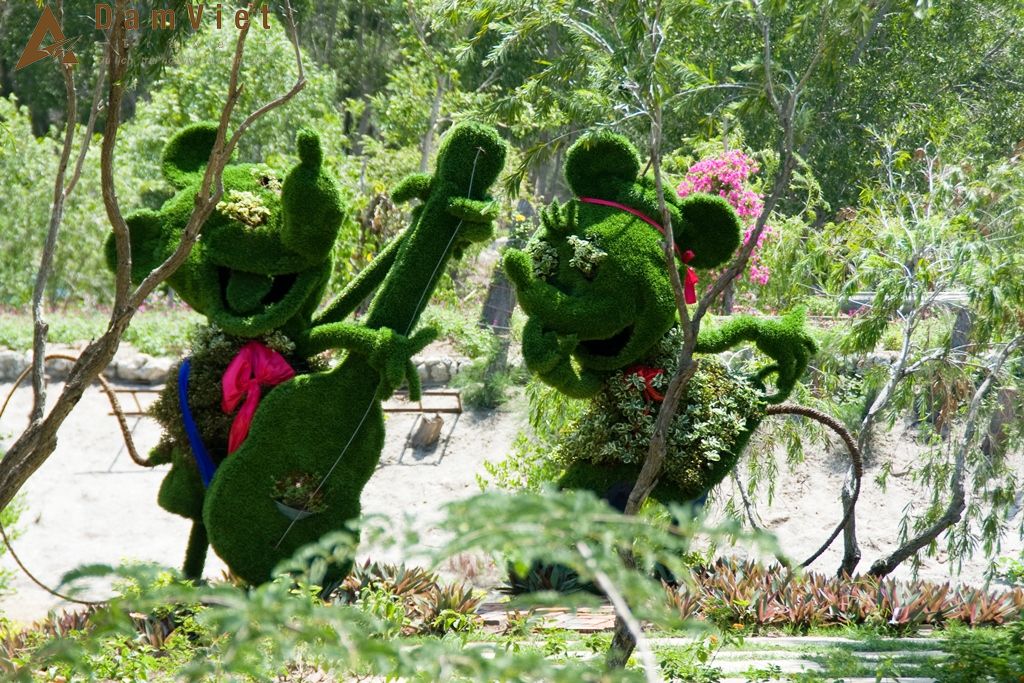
x: 601, y: 324
x: 258, y: 273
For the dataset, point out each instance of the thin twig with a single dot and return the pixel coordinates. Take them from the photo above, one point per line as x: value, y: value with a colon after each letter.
x: 40, y: 328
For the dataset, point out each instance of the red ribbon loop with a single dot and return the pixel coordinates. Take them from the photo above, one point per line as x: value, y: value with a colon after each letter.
x: 647, y: 374
x: 690, y: 282
x: 255, y: 366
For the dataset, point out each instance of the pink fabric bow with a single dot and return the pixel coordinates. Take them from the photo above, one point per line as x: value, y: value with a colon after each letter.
x: 255, y: 366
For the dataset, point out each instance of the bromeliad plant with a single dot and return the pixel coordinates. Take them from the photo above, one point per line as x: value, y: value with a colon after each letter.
x: 755, y: 596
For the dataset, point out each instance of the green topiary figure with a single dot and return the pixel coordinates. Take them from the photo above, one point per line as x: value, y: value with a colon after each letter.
x: 258, y: 273
x: 602, y: 319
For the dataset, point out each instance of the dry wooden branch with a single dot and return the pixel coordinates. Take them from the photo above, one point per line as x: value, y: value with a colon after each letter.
x: 652, y: 672
x: 39, y: 325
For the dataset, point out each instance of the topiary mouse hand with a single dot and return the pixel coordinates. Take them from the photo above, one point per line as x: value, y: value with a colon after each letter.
x: 391, y: 358
x: 475, y: 220
x: 543, y: 350
x: 784, y: 340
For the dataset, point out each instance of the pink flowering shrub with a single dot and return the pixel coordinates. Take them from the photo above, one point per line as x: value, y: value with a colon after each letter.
x: 727, y: 176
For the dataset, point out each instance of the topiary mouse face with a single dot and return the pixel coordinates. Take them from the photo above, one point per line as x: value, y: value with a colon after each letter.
x: 593, y: 279
x: 263, y: 257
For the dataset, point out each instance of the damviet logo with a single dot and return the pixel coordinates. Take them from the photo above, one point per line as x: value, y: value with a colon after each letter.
x: 60, y: 47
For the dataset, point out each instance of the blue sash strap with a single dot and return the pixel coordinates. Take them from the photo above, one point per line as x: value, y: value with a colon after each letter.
x: 203, y: 459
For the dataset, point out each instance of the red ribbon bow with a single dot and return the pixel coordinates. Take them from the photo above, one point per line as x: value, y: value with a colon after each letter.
x: 255, y: 366
x: 647, y: 374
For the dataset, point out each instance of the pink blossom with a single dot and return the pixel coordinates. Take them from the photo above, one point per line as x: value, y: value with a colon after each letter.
x: 727, y: 176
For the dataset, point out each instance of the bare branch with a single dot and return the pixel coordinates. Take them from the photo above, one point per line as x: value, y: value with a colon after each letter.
x: 117, y: 58
x: 90, y: 127
x: 39, y: 325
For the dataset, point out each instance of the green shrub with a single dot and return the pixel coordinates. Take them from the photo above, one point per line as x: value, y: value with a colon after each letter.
x: 529, y: 465
x: 984, y: 655
x: 9, y: 517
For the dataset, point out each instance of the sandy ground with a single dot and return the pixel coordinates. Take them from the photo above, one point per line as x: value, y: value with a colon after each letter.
x: 90, y: 503
x: 806, y: 508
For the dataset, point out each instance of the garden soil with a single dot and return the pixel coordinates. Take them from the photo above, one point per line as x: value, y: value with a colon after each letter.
x: 89, y: 503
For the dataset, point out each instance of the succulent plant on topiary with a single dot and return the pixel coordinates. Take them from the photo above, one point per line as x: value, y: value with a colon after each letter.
x: 298, y: 495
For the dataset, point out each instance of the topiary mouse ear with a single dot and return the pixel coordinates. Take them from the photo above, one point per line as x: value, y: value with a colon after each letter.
x: 187, y: 152
x: 709, y: 227
x: 600, y: 159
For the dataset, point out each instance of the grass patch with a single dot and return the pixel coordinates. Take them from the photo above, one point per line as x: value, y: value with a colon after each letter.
x: 156, y: 331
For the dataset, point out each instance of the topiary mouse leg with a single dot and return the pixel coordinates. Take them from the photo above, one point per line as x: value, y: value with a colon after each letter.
x: 195, y: 553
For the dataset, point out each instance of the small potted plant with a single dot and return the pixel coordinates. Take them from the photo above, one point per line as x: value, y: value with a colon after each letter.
x: 297, y: 497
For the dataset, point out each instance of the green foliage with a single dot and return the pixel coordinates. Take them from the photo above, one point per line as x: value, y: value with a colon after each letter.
x: 28, y: 166
x: 1011, y: 570
x: 529, y: 465
x: 692, y: 663
x: 467, y: 336
x: 996, y: 655
x: 157, y: 330
x: 262, y: 631
x: 9, y: 517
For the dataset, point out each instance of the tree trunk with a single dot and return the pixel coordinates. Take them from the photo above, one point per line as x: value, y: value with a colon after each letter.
x: 727, y: 298
x: 998, y: 435
x: 427, y: 146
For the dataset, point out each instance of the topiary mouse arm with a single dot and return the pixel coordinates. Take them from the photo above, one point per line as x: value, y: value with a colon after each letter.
x: 475, y: 217
x: 739, y: 329
x: 368, y: 279
x: 388, y: 352
x: 784, y: 340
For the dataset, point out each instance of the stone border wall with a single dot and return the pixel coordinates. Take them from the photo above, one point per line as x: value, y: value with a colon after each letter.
x: 130, y: 366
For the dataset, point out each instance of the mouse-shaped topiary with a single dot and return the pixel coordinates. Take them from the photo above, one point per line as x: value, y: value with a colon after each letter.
x: 602, y: 316
x: 258, y: 273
